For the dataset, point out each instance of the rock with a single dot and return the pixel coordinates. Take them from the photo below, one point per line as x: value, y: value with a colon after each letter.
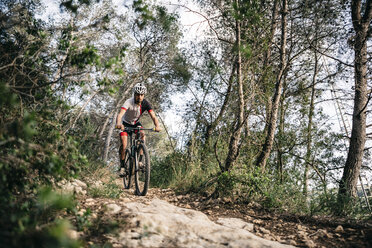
x: 161, y: 224
x: 76, y: 186
x: 291, y: 242
x: 235, y: 223
x: 277, y: 238
x: 339, y: 229
x: 81, y: 212
x: 302, y: 234
x: 321, y: 233
x: 263, y: 230
x: 255, y: 205
x: 226, y: 200
x: 268, y: 237
x: 113, y: 208
x: 258, y: 222
x: 309, y: 243
x: 80, y: 183
x: 73, y: 234
x: 301, y: 228
x: 124, y: 199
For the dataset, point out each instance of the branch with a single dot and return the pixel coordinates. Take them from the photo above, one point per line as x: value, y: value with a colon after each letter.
x: 365, y: 106
x: 81, y: 111
x: 166, y: 130
x: 207, y: 19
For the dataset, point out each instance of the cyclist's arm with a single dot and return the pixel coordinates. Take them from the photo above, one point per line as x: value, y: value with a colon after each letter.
x: 119, y: 118
x: 155, y: 120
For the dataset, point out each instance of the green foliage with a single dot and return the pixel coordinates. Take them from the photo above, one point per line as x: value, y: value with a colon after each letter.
x: 180, y: 69
x: 72, y: 6
x: 164, y: 171
x: 164, y: 18
x: 88, y: 56
x: 27, y: 161
x: 107, y: 190
x: 33, y: 221
x: 176, y: 170
x: 226, y: 183
x: 145, y: 13
x: 83, y: 222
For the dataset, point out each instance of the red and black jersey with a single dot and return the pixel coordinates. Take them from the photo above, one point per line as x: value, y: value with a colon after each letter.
x: 134, y: 111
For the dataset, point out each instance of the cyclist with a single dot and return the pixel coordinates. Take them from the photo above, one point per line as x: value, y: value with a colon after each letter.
x: 130, y: 114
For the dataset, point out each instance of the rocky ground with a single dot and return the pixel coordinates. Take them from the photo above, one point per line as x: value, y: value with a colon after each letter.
x: 164, y: 219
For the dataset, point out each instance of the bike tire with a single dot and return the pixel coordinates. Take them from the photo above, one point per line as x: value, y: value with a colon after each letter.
x: 142, y: 175
x: 128, y: 167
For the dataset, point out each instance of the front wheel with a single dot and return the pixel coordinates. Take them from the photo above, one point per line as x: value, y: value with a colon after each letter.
x: 128, y: 168
x: 142, y: 170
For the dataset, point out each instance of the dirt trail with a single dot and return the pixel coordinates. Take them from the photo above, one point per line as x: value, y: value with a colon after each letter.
x: 164, y: 219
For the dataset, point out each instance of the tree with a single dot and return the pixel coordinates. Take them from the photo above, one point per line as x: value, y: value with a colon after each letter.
x: 271, y: 122
x: 361, y: 24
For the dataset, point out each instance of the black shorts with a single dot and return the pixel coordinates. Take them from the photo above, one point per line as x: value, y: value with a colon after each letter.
x: 138, y: 124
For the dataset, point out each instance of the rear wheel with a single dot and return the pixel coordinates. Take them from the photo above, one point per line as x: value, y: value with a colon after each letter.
x: 128, y: 168
x: 142, y: 170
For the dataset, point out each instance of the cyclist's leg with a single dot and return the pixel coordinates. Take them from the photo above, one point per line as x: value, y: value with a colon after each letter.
x: 141, y: 135
x: 124, y: 139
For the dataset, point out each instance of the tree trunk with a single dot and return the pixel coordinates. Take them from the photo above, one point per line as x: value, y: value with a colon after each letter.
x: 309, y: 128
x: 108, y: 138
x: 235, y: 137
x: 267, y: 58
x: 280, y: 163
x: 271, y: 123
x: 347, y: 187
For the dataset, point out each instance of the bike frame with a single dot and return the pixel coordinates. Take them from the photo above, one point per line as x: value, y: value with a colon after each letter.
x: 133, y: 140
x: 135, y: 143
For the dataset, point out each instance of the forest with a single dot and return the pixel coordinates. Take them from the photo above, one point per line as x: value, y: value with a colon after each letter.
x: 273, y: 99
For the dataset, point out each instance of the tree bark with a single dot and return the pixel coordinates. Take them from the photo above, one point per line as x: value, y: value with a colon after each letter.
x: 280, y: 162
x: 309, y: 128
x: 271, y: 123
x: 233, y: 152
x: 108, y: 138
x: 267, y: 58
x: 347, y: 187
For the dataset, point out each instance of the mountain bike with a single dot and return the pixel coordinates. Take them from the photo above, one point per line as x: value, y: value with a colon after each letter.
x: 136, y: 161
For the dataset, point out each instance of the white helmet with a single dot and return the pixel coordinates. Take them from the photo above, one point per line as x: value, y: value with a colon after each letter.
x: 140, y: 88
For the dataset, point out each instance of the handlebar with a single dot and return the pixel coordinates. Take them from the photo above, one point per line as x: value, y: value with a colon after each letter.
x: 130, y: 129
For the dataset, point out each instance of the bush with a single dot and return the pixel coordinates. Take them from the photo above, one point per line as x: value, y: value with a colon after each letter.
x: 106, y: 190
